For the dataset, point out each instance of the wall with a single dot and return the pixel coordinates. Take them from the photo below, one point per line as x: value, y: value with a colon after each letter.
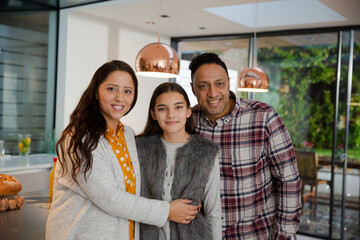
x: 85, y: 43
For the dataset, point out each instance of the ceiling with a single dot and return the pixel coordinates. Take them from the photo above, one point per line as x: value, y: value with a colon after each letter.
x: 190, y: 17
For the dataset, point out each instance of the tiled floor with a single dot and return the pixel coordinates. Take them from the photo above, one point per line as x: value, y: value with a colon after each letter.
x: 302, y: 237
x: 317, y: 223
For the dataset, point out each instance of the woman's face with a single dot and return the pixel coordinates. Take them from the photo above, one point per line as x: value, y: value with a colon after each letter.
x: 171, y: 112
x: 116, y: 95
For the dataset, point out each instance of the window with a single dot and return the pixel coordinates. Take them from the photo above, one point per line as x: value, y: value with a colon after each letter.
x: 303, y: 69
x: 27, y: 78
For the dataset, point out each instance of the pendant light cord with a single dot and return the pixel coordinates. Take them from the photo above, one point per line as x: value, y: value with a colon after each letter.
x: 159, y: 20
x: 256, y: 9
x: 255, y: 40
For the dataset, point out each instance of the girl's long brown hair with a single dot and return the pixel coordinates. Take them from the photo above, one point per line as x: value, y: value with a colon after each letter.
x: 87, y: 124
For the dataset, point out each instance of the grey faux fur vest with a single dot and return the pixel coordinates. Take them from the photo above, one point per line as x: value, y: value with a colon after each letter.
x: 193, y: 164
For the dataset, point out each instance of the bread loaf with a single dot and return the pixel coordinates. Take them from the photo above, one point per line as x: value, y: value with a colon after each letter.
x: 9, y: 185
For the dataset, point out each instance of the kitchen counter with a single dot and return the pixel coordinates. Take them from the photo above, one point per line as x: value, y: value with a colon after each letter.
x: 28, y: 222
x: 22, y: 163
x: 32, y: 170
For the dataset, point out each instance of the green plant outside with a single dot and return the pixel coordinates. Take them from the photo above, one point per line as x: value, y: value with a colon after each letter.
x: 353, y: 154
x: 305, y: 93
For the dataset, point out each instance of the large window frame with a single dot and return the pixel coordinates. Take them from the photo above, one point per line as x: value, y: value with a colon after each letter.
x: 340, y: 31
x: 39, y: 120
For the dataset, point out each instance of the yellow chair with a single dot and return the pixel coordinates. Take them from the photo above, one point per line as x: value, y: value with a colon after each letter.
x: 308, y: 165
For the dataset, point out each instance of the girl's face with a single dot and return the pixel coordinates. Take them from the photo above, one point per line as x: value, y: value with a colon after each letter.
x: 116, y: 95
x: 171, y: 112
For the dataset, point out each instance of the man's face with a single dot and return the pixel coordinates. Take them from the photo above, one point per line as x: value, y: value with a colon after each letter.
x: 211, y: 87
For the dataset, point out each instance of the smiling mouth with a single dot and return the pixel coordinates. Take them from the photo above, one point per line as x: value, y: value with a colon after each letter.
x: 171, y: 123
x: 214, y: 101
x: 118, y: 107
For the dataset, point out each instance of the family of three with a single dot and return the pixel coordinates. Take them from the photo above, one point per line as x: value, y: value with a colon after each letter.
x: 223, y: 169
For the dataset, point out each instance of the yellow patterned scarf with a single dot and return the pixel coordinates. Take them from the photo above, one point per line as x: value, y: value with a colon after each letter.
x: 118, y: 145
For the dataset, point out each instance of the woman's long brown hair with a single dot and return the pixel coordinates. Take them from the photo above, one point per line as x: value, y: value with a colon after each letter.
x: 87, y: 124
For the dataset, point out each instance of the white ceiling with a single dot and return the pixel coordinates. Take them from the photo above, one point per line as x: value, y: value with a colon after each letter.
x: 187, y: 17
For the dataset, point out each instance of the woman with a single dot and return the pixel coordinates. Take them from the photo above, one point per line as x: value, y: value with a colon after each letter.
x: 185, y: 166
x: 98, y: 178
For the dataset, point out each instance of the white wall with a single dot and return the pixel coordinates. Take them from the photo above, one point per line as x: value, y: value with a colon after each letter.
x: 87, y: 42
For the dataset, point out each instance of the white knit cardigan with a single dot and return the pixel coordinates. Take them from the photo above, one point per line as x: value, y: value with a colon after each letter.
x: 99, y: 208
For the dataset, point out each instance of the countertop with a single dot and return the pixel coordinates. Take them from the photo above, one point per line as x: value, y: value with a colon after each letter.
x: 29, y: 222
x: 23, y: 163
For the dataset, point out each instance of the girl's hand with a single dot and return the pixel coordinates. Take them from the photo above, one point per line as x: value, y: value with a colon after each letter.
x: 182, y: 212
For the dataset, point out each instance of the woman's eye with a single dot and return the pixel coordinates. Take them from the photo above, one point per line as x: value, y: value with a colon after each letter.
x: 111, y: 89
x: 128, y: 91
x: 179, y: 107
x: 161, y: 109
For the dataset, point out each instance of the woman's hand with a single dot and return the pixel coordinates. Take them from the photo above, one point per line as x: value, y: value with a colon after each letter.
x: 182, y: 212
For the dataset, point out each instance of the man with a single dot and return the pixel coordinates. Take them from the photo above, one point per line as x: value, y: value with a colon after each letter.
x: 260, y: 184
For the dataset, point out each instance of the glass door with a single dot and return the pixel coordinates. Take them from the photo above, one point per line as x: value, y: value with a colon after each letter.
x: 302, y: 71
x: 347, y: 145
x: 316, y: 90
x: 316, y: 93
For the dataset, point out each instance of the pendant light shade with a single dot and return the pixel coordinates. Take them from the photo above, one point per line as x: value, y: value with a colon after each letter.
x: 253, y: 79
x: 157, y: 60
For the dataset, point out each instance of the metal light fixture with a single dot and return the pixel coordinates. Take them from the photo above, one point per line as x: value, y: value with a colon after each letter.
x: 157, y: 60
x: 253, y: 79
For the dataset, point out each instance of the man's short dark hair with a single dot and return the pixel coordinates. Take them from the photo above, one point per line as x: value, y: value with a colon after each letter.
x: 205, y: 58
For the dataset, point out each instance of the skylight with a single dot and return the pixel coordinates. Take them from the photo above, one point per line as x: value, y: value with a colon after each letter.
x: 278, y: 13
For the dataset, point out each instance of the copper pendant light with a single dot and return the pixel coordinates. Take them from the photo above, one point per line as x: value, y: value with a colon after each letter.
x: 253, y: 79
x: 157, y: 60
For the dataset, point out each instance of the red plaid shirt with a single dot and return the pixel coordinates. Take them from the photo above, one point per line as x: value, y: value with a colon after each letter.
x: 260, y: 184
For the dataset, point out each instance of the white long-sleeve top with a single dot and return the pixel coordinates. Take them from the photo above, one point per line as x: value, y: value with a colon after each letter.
x: 212, y: 204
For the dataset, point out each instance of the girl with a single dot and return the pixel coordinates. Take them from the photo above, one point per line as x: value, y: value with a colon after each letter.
x: 98, y: 178
x: 175, y: 163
